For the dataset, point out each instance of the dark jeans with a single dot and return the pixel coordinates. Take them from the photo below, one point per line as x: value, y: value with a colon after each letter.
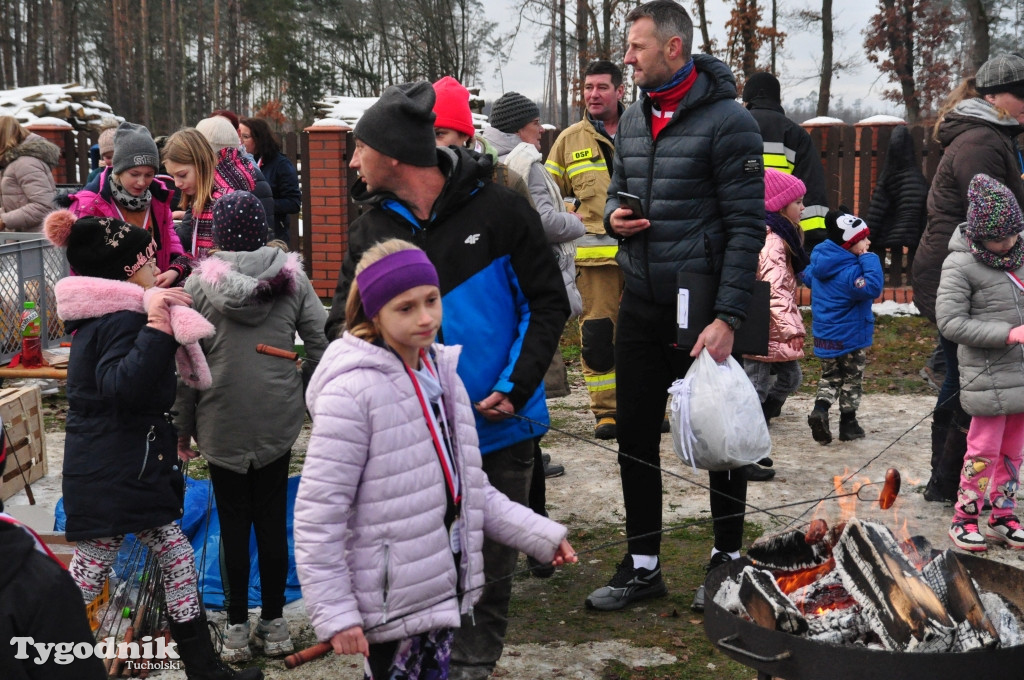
x: 646, y: 363
x: 946, y: 474
x: 538, y: 483
x: 478, y: 643
x: 257, y: 499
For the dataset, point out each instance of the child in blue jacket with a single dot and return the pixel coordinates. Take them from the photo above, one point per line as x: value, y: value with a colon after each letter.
x: 844, y: 279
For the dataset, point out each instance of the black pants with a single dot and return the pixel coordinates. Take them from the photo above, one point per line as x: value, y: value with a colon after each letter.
x: 538, y: 483
x: 257, y: 499
x: 646, y: 363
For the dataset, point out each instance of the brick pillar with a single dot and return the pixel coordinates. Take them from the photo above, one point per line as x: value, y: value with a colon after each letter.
x: 325, y: 218
x: 55, y: 133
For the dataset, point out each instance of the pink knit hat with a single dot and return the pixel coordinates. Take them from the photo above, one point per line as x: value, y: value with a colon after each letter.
x: 781, y: 189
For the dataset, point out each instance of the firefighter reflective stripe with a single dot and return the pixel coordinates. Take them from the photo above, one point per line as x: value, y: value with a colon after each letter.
x: 596, y: 246
x: 589, y: 166
x: 554, y: 168
x: 779, y: 157
x: 600, y: 383
x: 813, y: 217
x: 576, y: 168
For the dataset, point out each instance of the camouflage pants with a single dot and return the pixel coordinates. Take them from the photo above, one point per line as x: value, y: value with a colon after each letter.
x: 841, y: 380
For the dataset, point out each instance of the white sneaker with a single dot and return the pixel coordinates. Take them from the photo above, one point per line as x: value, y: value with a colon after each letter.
x: 236, y: 643
x: 273, y: 637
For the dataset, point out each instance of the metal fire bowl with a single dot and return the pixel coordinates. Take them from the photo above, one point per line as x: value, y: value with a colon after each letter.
x: 782, y: 655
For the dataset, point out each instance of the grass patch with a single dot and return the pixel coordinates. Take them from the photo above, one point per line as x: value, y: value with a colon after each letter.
x: 550, y: 610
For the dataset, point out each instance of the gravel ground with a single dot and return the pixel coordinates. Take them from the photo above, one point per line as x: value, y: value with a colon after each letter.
x: 589, y: 493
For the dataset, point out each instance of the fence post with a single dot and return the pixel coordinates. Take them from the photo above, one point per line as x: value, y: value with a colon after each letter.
x: 55, y: 133
x: 325, y: 204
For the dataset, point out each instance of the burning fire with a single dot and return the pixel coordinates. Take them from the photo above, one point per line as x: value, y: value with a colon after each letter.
x: 792, y: 581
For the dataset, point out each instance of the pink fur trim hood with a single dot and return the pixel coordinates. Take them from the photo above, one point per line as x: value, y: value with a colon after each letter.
x: 87, y: 297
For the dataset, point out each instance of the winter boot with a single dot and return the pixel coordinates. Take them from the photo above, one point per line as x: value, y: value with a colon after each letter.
x: 772, y: 408
x: 946, y: 477
x: 818, y: 420
x: 200, y: 659
x: 849, y: 429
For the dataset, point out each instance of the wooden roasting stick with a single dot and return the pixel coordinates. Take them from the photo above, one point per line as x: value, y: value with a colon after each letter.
x: 309, y: 654
x: 271, y: 351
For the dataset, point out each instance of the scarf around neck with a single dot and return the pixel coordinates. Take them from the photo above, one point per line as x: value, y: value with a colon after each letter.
x: 1010, y: 262
x: 788, y: 232
x: 126, y: 199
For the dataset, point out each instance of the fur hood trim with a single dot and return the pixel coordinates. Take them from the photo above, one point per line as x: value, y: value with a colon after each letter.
x: 244, y: 285
x: 87, y: 297
x: 34, y: 146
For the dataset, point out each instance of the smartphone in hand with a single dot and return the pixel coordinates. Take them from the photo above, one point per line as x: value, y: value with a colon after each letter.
x: 632, y: 202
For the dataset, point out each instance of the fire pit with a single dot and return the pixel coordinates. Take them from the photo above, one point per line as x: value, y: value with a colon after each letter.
x: 791, y: 657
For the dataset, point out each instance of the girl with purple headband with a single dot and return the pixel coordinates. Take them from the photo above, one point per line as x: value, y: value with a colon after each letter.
x: 393, y: 505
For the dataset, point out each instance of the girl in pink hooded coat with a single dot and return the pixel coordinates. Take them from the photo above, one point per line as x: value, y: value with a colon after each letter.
x: 393, y: 505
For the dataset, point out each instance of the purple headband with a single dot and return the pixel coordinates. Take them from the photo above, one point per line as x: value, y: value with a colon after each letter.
x: 392, y: 275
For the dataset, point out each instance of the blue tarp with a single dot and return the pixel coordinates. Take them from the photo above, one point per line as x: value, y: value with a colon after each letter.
x: 204, y: 534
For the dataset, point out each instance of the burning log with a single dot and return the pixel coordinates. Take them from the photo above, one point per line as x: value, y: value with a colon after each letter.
x: 903, y: 611
x: 948, y: 577
x: 839, y: 626
x: 792, y: 550
x: 766, y: 605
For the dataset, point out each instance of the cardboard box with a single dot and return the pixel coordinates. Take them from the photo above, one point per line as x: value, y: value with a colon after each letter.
x: 22, y: 414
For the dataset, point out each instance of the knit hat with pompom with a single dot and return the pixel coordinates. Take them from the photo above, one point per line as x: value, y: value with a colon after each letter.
x: 103, y: 247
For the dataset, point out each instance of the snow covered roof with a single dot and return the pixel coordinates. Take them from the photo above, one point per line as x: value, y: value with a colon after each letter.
x: 824, y: 120
x: 882, y: 120
x: 69, y: 103
x: 348, y: 110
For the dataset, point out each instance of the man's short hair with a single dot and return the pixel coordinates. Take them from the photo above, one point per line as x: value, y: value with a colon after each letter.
x: 670, y: 20
x: 602, y: 67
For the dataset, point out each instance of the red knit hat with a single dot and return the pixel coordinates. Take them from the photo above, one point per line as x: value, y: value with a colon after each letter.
x: 781, y: 189
x: 452, y: 106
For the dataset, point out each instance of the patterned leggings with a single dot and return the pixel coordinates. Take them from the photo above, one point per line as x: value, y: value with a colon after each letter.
x: 94, y: 556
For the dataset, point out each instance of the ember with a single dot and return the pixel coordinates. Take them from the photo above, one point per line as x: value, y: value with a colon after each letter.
x: 855, y: 583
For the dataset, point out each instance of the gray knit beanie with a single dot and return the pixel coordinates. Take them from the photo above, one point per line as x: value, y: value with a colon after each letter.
x: 134, y: 146
x: 512, y: 111
x: 401, y: 124
x: 1001, y: 73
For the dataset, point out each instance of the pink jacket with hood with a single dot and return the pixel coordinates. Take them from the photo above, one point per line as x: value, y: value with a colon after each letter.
x: 371, y: 547
x: 785, y: 322
x: 101, y: 204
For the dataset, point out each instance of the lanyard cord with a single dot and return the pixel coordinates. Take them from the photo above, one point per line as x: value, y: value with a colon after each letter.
x: 447, y: 460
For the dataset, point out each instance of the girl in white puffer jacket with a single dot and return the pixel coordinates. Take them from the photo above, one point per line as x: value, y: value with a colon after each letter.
x: 393, y: 505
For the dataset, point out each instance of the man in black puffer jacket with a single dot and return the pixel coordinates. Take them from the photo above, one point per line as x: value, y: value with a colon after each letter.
x: 693, y: 155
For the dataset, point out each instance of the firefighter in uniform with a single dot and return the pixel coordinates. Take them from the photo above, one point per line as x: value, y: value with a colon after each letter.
x: 581, y: 162
x: 788, y: 148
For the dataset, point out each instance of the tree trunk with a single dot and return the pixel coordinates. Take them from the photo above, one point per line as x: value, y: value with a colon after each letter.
x: 606, y: 17
x: 749, y: 40
x: 147, y: 85
x: 705, y: 36
x: 581, y: 41
x: 825, y: 83
x: 563, y: 54
x: 978, y: 23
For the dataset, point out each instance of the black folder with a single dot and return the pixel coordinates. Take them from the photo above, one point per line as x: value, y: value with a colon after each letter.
x: 701, y: 289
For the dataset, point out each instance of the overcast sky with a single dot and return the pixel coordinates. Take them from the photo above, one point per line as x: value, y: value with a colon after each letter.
x: 801, y: 53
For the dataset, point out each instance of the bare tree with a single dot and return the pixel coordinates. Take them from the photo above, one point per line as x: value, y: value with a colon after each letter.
x: 978, y: 22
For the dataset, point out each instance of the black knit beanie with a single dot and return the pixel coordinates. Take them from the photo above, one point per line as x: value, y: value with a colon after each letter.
x: 512, y: 111
x: 401, y: 124
x: 103, y: 247
x: 762, y: 86
x: 239, y: 222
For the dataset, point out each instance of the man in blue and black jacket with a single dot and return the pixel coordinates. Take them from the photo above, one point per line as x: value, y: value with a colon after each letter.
x: 503, y: 297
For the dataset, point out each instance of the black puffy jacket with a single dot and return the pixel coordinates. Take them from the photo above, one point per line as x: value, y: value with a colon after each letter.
x: 701, y: 185
x: 121, y: 471
x: 897, y: 213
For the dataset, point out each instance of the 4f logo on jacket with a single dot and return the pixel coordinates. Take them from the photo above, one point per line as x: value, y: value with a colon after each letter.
x: 472, y: 238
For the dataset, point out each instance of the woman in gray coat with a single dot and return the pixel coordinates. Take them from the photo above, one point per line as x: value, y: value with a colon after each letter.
x: 27, y: 188
x: 246, y: 423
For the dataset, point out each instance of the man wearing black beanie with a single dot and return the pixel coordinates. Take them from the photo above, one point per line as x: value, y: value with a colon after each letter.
x: 504, y: 302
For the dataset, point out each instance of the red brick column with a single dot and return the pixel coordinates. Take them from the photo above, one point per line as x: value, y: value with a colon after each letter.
x: 55, y: 134
x: 325, y: 218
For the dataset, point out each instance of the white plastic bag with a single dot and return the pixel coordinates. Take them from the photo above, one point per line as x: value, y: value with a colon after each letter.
x: 717, y: 422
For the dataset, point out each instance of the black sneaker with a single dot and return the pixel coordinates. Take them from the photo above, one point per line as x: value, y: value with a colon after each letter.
x: 553, y: 470
x: 628, y: 585
x: 756, y: 473
x: 716, y: 559
x: 545, y: 458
